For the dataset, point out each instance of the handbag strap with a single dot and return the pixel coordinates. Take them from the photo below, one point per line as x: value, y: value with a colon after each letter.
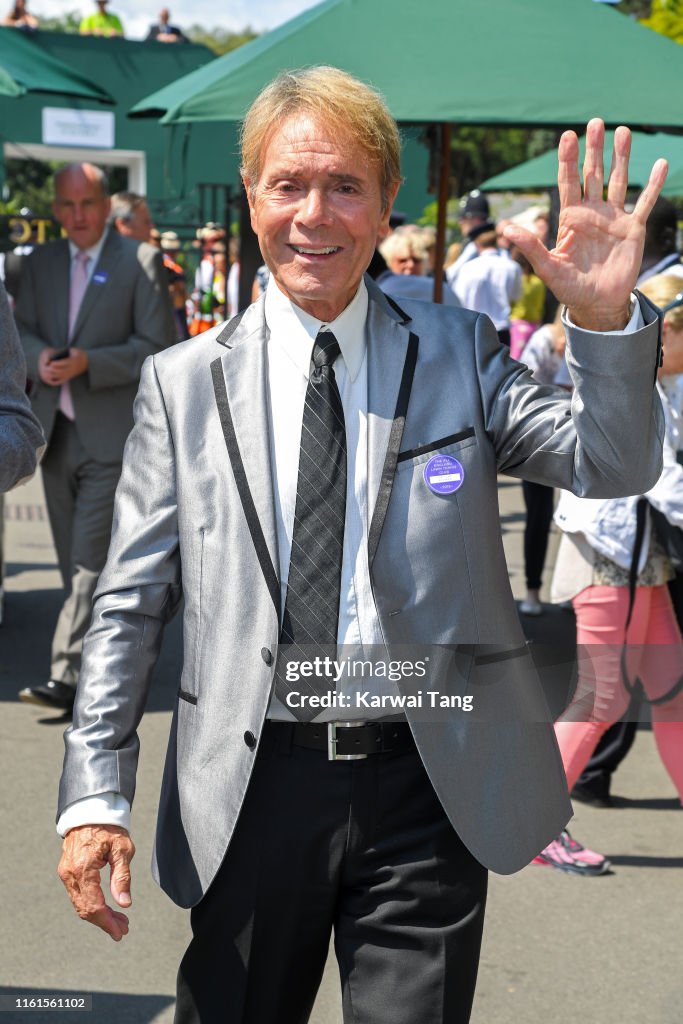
x: 637, y: 686
x: 641, y: 519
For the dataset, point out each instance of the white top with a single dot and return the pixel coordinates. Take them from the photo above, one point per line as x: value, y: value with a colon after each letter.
x: 608, y: 525
x: 233, y: 291
x: 470, y: 252
x: 540, y: 356
x: 490, y: 284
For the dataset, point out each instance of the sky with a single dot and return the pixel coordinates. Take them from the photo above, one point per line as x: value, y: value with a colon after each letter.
x: 137, y: 15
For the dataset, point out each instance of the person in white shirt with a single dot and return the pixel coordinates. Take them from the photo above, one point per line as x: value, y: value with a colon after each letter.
x: 490, y: 284
x: 474, y: 216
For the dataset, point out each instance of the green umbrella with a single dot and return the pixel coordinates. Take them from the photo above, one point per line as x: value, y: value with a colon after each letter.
x: 541, y: 172
x: 524, y: 62
x: 674, y: 182
x: 25, y: 67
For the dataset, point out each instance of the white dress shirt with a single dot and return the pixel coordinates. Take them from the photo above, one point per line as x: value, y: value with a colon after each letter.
x: 93, y: 252
x: 490, y: 284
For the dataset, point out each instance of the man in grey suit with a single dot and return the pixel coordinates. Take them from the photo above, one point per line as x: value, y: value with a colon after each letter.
x: 21, y: 437
x: 91, y: 308
x: 322, y: 471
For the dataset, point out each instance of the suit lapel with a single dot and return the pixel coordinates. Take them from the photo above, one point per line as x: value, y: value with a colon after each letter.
x: 61, y: 286
x: 392, y: 355
x: 240, y: 386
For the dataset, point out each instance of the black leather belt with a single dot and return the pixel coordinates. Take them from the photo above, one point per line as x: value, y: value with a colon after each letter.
x: 348, y: 741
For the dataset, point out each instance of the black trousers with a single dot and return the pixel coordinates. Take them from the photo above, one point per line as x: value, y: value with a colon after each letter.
x: 538, y: 499
x: 362, y: 849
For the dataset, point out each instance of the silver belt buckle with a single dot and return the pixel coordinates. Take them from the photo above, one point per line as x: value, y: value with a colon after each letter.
x: 332, y: 754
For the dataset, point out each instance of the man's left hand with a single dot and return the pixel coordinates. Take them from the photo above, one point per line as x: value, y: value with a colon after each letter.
x: 594, y: 266
x: 73, y: 365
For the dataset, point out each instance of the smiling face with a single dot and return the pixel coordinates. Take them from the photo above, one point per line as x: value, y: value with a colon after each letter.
x: 318, y: 213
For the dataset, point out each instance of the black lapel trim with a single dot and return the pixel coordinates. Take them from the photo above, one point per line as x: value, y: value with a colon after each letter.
x: 396, y: 308
x: 259, y: 541
x: 226, y: 334
x: 395, y: 436
x: 443, y: 442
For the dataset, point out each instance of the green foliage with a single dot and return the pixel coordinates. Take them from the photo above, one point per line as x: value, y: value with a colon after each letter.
x: 478, y: 153
x: 69, y: 22
x: 29, y: 183
x: 429, y: 215
x: 10, y: 209
x: 636, y: 8
x: 220, y: 40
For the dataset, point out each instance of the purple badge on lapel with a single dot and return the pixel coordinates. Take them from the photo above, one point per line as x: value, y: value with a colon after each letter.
x: 443, y: 474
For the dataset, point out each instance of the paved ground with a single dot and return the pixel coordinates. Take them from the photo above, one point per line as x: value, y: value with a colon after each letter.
x: 558, y: 948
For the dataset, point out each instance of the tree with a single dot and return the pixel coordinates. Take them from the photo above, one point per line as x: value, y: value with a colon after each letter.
x: 636, y: 8
x: 220, y: 40
x: 479, y: 153
x: 69, y: 23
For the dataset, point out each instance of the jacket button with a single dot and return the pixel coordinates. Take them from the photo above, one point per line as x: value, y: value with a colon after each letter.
x: 267, y: 656
x: 250, y: 739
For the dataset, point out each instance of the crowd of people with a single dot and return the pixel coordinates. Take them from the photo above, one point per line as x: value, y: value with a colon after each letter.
x: 100, y: 22
x: 385, y: 419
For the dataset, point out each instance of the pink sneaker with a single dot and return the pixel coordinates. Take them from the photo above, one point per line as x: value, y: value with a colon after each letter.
x: 566, y: 854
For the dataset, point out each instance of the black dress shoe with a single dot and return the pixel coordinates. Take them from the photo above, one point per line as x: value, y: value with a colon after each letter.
x: 59, y: 696
x: 594, y: 796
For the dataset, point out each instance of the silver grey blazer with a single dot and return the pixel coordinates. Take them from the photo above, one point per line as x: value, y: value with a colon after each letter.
x: 195, y: 516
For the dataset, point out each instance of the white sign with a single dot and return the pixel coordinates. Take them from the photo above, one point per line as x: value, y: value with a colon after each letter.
x: 68, y: 127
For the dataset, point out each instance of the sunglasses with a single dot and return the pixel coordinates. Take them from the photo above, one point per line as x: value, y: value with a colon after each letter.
x: 675, y: 302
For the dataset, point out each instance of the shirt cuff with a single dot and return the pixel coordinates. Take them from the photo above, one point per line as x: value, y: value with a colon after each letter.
x: 103, y: 809
x: 636, y: 323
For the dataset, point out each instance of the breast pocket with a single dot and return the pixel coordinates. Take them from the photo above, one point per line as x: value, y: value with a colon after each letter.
x: 429, y: 482
x: 442, y: 446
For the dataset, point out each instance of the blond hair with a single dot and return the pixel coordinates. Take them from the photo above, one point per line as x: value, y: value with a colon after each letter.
x: 345, y: 105
x: 401, y: 244
x: 663, y: 289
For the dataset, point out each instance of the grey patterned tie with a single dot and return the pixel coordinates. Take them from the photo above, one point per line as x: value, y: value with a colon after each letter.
x: 311, y: 615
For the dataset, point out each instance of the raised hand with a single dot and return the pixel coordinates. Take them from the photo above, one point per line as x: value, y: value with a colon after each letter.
x: 595, y: 263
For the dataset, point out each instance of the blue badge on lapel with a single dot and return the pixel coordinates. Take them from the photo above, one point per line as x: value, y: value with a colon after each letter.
x: 443, y: 474
x: 100, y: 277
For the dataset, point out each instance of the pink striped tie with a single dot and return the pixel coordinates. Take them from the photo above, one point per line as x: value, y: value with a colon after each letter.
x: 79, y: 284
